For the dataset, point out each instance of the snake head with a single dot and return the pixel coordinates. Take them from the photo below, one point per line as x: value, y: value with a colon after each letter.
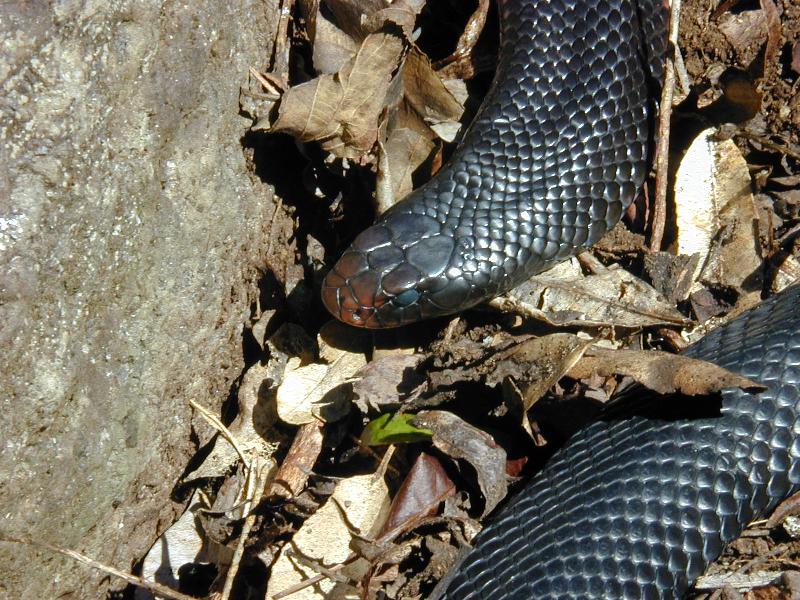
x: 396, y: 272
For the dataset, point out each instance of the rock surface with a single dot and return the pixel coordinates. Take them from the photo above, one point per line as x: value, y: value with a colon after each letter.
x: 131, y: 233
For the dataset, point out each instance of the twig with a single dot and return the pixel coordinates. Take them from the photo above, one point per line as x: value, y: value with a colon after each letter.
x: 788, y: 151
x: 224, y: 431
x: 662, y: 150
x: 157, y: 588
x: 256, y: 490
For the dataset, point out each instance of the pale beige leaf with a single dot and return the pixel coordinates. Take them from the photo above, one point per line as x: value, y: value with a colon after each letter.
x: 317, y: 391
x: 360, y: 502
x: 613, y: 297
x: 716, y: 213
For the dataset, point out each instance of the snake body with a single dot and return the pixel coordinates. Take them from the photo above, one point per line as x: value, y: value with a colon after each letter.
x: 632, y: 508
x: 637, y: 507
x: 556, y: 153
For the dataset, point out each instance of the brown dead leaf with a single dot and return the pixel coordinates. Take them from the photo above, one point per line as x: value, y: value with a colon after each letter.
x: 563, y: 296
x: 401, y: 155
x: 428, y: 95
x: 458, y: 439
x: 537, y: 364
x: 661, y: 372
x: 381, y: 384
x: 341, y: 111
x: 423, y: 489
x: 332, y: 47
x: 402, y: 13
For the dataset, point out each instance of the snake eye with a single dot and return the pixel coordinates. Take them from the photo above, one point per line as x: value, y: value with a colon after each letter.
x: 406, y: 298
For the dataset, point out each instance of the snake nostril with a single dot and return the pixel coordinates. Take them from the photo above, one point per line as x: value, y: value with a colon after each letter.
x: 406, y: 298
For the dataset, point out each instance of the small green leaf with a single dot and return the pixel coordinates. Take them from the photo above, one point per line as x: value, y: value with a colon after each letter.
x: 393, y: 429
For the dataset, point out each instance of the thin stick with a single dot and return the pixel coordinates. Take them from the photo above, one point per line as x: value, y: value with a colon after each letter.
x: 255, y: 491
x: 157, y: 588
x: 662, y: 150
x: 220, y: 426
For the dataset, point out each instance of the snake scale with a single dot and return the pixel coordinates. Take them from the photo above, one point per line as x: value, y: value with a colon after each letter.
x: 629, y: 508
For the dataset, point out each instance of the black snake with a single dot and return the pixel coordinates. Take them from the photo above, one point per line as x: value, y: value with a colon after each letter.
x: 630, y: 508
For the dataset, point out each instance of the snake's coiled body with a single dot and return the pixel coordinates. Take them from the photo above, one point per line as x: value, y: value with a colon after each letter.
x: 630, y: 508
x: 637, y: 508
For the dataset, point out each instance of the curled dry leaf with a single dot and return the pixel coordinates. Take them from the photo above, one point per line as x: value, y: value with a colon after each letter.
x: 429, y: 96
x: 563, y: 296
x: 402, y: 13
x: 423, y: 489
x: 458, y: 439
x: 661, y: 372
x: 183, y: 543
x: 716, y: 213
x: 341, y: 111
x: 537, y: 364
x: 359, y: 502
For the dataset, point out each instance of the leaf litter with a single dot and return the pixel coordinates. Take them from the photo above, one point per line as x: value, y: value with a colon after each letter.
x: 389, y: 448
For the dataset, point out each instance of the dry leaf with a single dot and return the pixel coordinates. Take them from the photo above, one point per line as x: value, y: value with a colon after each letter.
x: 458, y: 439
x: 564, y: 296
x: 716, y: 213
x: 402, y: 13
x: 430, y: 98
x: 660, y: 371
x: 332, y: 47
x: 380, y: 384
x: 316, y: 391
x: 252, y: 427
x: 537, y: 364
x: 341, y: 111
x: 183, y: 543
x: 359, y: 502
x: 423, y: 489
x: 401, y: 155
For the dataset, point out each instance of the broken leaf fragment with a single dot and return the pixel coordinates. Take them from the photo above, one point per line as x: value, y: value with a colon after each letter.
x: 716, y: 213
x: 358, y: 505
x: 660, y: 371
x: 458, y: 439
x: 394, y: 429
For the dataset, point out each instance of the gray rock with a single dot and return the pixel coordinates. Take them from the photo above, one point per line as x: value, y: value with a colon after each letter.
x: 131, y: 231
